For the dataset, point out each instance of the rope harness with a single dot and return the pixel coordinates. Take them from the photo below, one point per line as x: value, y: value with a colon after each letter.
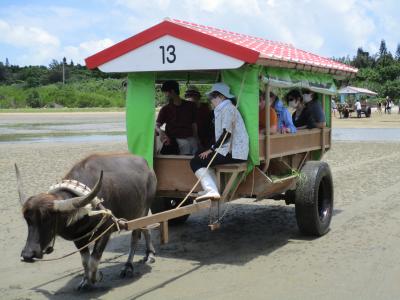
x: 80, y: 189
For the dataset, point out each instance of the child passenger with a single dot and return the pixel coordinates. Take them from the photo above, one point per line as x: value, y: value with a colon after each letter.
x: 273, y: 118
x: 234, y: 149
x: 285, y: 123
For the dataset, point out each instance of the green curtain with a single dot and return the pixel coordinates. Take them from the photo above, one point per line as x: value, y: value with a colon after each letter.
x: 248, y: 103
x: 140, y: 115
x: 328, y: 110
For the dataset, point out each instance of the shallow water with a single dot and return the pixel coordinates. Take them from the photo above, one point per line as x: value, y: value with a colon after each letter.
x: 73, y: 128
x: 100, y: 130
x: 366, y: 134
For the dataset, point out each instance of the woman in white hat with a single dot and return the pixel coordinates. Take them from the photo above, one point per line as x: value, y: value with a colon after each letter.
x: 234, y: 149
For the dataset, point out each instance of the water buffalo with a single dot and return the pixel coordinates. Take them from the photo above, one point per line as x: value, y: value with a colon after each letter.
x: 128, y: 188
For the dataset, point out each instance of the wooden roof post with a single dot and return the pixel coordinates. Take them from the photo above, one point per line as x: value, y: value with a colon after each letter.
x: 267, y: 129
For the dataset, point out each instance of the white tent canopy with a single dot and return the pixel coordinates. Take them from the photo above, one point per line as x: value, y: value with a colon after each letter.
x: 356, y: 90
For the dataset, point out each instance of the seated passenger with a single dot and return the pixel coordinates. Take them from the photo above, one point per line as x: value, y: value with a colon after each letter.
x: 300, y: 117
x: 285, y: 123
x: 303, y: 117
x: 179, y: 117
x: 273, y: 119
x: 235, y: 147
x: 314, y: 108
x: 204, y: 118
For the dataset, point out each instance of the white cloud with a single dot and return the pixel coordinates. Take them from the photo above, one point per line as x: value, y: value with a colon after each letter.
x: 85, y: 49
x: 23, y: 36
x: 237, y: 7
x: 142, y: 6
x: 329, y: 28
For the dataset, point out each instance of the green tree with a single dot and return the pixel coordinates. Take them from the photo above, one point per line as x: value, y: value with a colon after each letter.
x: 397, y: 56
x: 33, y: 99
x: 384, y: 56
x: 55, y: 72
x: 3, y: 72
x: 362, y: 59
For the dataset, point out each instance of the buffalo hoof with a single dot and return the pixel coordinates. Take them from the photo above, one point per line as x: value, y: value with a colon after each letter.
x: 84, y: 285
x: 99, y: 276
x: 149, y: 259
x: 127, y: 271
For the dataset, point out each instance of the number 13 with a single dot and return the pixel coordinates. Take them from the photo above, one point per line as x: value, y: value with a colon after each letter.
x: 171, y: 56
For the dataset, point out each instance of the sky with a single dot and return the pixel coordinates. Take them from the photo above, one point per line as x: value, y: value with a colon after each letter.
x: 35, y: 32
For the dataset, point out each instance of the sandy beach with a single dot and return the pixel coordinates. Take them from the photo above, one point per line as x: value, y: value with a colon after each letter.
x: 257, y: 254
x: 377, y: 120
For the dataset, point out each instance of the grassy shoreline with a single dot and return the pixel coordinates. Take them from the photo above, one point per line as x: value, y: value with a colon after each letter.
x: 61, y: 110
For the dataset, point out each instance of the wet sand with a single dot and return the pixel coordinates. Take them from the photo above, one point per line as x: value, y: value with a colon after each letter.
x: 377, y: 120
x: 257, y: 254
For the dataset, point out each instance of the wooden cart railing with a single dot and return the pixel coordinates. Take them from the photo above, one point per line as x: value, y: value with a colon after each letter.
x: 175, y: 178
x: 286, y: 152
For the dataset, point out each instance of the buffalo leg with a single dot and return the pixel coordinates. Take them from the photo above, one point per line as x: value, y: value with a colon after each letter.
x: 127, y: 270
x: 150, y: 251
x: 97, y: 252
x: 85, y: 256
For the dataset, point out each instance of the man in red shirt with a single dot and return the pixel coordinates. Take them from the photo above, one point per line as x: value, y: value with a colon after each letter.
x: 204, y: 117
x: 179, y: 117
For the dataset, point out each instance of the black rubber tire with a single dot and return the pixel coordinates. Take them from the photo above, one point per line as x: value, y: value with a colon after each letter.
x: 314, y: 199
x: 161, y: 204
x: 368, y: 112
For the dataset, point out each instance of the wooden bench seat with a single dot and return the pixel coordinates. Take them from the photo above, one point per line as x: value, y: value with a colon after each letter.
x: 231, y: 167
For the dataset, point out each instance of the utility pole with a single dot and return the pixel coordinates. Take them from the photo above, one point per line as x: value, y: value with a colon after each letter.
x: 63, y: 70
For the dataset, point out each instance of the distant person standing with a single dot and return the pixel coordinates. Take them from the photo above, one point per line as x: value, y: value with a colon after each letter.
x: 389, y: 106
x: 379, y: 105
x: 398, y: 104
x: 334, y: 107
x: 385, y: 103
x: 358, y: 108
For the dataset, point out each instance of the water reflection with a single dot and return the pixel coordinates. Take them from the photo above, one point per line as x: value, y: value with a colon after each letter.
x: 366, y: 134
x: 114, y: 130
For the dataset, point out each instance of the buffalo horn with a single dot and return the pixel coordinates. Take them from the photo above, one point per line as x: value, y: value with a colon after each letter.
x: 72, y: 204
x: 22, y: 197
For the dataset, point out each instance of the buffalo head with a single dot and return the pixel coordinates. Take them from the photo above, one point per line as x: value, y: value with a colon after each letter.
x: 42, y: 213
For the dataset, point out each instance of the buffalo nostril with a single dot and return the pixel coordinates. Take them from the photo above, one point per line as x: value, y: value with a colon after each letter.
x: 27, y: 256
x: 27, y: 259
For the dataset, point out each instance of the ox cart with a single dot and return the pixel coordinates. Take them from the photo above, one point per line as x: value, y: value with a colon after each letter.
x: 283, y: 166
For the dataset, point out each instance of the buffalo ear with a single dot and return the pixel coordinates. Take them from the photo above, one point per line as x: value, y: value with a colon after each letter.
x: 22, y: 197
x: 72, y: 204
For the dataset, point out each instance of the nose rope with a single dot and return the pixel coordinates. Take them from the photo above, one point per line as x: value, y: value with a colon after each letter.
x: 81, y: 248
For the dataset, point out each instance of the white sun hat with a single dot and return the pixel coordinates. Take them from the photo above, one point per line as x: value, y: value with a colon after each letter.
x: 221, y: 88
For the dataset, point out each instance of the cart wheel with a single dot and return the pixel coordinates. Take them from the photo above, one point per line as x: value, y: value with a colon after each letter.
x: 161, y: 204
x: 314, y: 198
x: 368, y: 112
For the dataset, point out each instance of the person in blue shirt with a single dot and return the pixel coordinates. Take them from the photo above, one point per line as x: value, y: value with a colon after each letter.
x: 285, y: 122
x: 314, y: 108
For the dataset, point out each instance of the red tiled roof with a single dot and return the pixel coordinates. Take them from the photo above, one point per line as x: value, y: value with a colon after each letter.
x: 269, y: 49
x: 244, y: 47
